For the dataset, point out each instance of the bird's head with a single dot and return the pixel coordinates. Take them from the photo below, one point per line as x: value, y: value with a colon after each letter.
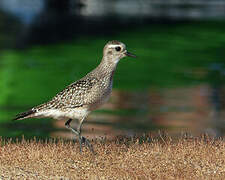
x: 115, y: 50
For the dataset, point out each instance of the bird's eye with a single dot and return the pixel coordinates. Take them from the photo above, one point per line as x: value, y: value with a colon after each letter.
x: 118, y: 48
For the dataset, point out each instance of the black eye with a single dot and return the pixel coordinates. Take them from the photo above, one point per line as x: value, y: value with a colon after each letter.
x: 118, y: 48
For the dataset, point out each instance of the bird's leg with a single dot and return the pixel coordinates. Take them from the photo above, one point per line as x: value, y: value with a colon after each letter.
x: 83, y: 139
x: 77, y: 133
x: 67, y: 124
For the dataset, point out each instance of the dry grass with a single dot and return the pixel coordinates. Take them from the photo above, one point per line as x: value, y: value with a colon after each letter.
x: 186, y: 158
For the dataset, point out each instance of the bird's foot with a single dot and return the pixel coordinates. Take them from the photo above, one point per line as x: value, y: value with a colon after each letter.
x: 86, y: 142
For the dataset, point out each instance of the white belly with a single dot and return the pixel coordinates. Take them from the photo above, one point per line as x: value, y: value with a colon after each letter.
x: 76, y: 113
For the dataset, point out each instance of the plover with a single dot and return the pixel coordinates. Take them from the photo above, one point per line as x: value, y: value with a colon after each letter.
x: 78, y: 99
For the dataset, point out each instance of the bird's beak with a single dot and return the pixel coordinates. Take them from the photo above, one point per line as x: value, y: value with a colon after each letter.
x: 130, y: 54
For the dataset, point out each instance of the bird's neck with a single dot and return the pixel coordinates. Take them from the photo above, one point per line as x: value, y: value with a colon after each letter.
x: 107, y: 67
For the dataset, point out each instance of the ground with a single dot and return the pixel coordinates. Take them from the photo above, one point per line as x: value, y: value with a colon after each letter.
x: 124, y: 158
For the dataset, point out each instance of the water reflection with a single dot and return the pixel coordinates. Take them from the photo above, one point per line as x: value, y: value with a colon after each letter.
x: 174, y: 110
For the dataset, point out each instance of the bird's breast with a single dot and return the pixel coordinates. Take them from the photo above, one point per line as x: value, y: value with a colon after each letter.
x: 102, y: 95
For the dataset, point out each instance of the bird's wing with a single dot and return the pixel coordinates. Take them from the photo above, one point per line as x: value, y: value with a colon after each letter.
x: 74, y: 95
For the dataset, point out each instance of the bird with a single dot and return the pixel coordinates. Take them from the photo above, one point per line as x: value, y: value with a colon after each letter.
x: 83, y: 96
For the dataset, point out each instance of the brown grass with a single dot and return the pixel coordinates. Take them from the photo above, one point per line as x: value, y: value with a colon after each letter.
x: 186, y: 158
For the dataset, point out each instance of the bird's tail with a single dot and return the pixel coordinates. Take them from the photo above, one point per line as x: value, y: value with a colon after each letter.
x: 24, y: 115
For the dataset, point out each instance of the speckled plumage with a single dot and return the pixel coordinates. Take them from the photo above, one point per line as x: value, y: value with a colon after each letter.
x: 77, y: 100
x: 87, y: 93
